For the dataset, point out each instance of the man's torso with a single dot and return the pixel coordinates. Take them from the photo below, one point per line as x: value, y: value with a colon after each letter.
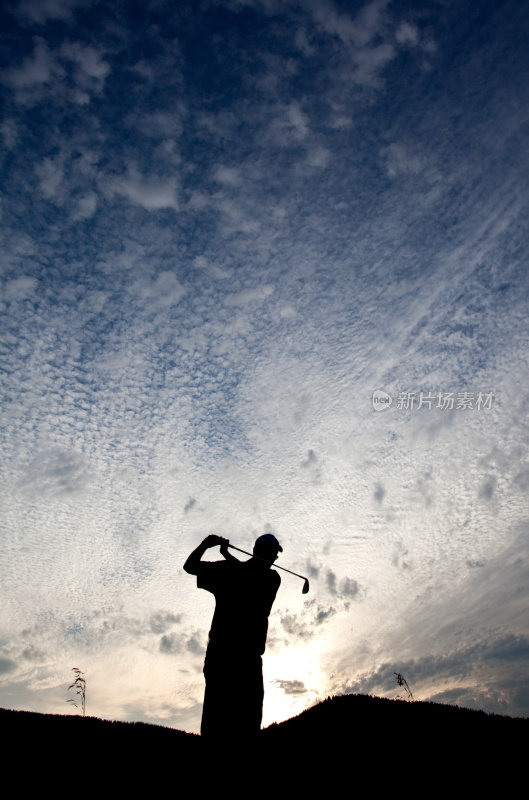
x: 244, y: 594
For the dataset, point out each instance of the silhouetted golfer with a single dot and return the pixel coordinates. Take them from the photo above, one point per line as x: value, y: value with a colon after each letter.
x: 244, y: 593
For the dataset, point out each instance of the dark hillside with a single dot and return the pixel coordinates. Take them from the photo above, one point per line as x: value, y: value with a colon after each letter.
x: 334, y: 741
x: 343, y: 718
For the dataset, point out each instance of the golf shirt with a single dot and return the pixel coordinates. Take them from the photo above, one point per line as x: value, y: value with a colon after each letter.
x: 244, y: 593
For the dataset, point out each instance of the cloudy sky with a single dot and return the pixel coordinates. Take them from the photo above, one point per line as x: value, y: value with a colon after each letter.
x: 264, y: 268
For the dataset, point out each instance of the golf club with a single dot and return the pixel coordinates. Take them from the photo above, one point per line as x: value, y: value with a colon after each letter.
x: 303, y: 578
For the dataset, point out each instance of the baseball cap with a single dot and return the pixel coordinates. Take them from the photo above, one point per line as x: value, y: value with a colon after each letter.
x: 269, y: 540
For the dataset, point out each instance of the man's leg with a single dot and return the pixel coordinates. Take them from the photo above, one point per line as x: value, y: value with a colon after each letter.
x: 259, y: 693
x: 215, y: 711
x: 250, y: 707
x: 233, y: 698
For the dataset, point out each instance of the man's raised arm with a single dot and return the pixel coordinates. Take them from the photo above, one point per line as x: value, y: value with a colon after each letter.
x: 193, y: 561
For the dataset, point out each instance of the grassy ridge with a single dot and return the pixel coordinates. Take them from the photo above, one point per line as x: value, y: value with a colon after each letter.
x: 335, y: 741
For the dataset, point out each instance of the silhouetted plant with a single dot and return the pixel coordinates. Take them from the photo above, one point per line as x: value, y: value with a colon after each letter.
x: 79, y: 685
x: 401, y: 680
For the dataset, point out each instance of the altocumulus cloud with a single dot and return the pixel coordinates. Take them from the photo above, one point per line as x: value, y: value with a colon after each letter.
x: 291, y: 687
x: 209, y: 266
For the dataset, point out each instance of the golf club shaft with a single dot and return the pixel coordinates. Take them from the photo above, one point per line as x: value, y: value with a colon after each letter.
x: 276, y: 566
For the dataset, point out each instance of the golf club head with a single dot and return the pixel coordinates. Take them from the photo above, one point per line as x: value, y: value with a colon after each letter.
x: 305, y: 589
